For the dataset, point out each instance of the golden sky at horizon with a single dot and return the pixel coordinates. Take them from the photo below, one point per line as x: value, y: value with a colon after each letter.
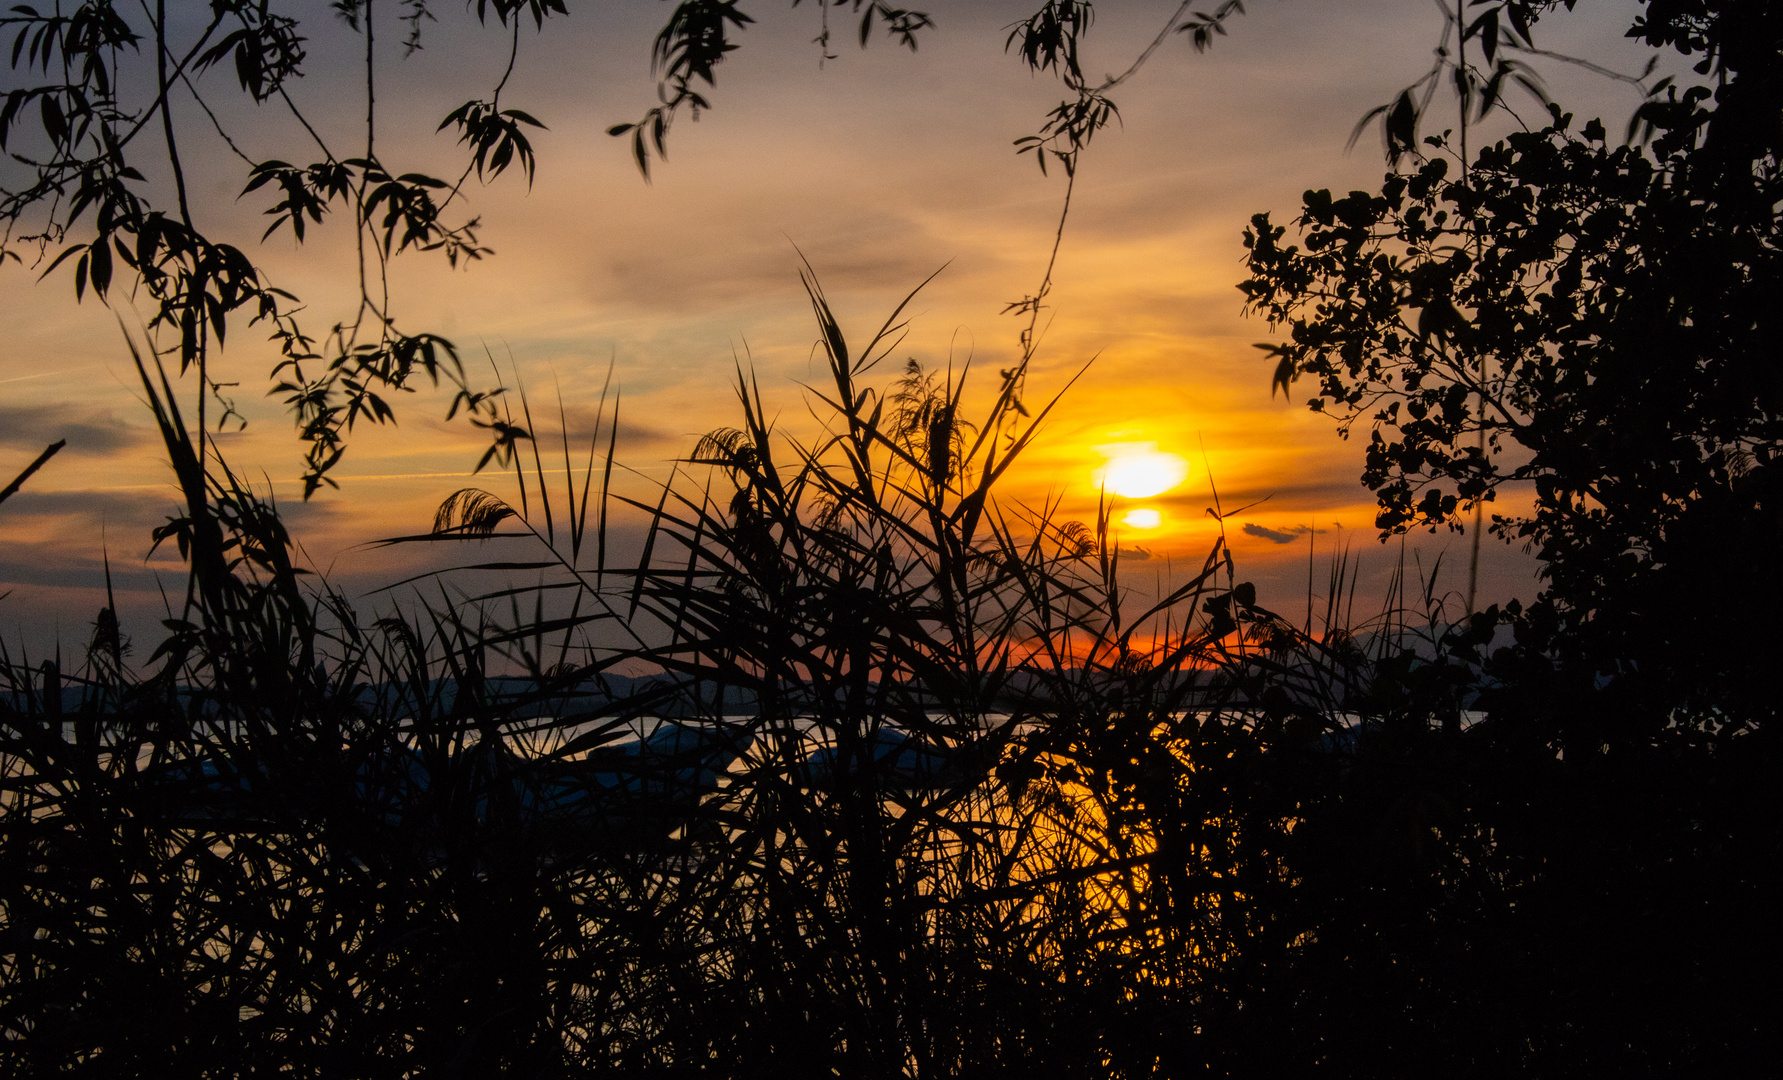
x: 880, y: 167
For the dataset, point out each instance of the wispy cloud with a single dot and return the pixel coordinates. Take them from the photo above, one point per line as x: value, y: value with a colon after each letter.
x: 1274, y: 536
x: 88, y: 430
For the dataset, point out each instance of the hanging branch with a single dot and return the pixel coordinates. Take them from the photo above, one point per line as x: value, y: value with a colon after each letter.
x: 73, y: 122
x: 1052, y: 40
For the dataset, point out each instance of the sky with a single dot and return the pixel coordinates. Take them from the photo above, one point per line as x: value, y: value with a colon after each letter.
x: 879, y: 167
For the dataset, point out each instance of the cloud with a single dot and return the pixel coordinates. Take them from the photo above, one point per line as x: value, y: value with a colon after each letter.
x: 634, y: 435
x: 122, y: 509
x: 1272, y: 535
x: 49, y: 565
x: 88, y: 430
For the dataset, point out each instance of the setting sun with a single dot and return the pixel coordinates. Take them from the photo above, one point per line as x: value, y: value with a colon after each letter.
x: 1139, y: 471
x: 894, y: 697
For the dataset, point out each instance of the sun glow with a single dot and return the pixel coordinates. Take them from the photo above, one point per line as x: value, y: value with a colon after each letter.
x: 1144, y: 518
x: 1139, y: 471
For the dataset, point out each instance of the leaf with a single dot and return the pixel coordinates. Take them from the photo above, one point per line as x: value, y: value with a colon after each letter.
x: 100, y: 271
x: 1285, y: 373
x: 1486, y: 29
x: 1401, y: 125
x: 55, y: 124
x: 1362, y: 125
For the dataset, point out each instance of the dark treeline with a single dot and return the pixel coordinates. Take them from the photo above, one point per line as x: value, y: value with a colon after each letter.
x: 936, y: 794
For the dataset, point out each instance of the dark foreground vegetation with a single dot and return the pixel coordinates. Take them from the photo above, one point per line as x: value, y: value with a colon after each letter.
x: 857, y: 771
x: 931, y: 798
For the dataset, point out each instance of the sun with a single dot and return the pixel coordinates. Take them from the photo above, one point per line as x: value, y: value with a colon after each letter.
x: 1139, y: 470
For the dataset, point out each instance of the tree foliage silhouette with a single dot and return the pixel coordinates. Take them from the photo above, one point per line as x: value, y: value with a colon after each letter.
x: 1587, y: 320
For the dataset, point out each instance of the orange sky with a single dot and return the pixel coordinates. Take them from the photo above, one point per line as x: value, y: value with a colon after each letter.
x: 880, y: 167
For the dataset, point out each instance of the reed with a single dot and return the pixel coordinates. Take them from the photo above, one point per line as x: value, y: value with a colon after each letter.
x: 912, y: 785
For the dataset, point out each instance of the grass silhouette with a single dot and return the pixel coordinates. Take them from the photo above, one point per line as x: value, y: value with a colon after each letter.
x: 914, y: 788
